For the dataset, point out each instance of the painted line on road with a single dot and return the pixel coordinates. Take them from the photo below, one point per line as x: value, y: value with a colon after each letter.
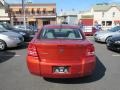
x: 116, y: 55
x: 11, y: 55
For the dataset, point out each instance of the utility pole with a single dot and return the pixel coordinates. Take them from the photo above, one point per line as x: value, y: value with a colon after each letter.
x: 24, y: 17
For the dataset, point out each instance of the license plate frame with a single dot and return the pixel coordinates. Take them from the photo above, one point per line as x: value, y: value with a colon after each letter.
x: 61, y: 69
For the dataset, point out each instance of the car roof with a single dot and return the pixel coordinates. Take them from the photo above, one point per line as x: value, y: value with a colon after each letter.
x: 61, y: 26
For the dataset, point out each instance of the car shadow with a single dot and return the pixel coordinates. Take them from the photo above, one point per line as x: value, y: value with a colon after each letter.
x: 100, y: 42
x: 97, y: 75
x: 23, y: 46
x: 115, y: 51
x: 6, y: 55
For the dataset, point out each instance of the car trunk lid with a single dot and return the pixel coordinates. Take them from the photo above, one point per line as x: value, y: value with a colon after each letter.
x: 54, y: 51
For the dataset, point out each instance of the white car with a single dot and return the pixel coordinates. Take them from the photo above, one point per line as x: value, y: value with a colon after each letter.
x: 9, y: 39
x: 103, y: 36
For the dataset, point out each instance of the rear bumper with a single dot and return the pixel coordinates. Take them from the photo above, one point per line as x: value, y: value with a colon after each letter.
x: 75, y: 69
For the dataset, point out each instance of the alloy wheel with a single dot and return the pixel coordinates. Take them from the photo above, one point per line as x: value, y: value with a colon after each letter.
x: 2, y: 45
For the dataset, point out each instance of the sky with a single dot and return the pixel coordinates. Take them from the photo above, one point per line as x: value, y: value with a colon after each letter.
x: 77, y: 5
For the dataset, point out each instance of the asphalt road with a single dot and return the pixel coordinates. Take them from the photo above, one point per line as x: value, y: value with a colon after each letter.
x: 15, y: 76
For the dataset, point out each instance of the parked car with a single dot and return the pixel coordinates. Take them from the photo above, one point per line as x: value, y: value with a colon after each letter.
x: 103, y: 36
x: 114, y: 43
x: 61, y: 51
x: 9, y: 39
x: 29, y: 29
x: 96, y: 29
x: 90, y: 30
x: 25, y: 34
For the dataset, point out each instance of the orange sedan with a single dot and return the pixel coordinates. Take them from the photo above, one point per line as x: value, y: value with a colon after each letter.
x: 61, y: 51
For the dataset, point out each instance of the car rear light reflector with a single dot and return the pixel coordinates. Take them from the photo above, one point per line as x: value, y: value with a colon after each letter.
x: 32, y: 51
x: 90, y: 50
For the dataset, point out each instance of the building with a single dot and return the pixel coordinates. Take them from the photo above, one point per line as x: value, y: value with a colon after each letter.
x: 4, y: 17
x: 69, y: 17
x: 105, y: 14
x: 86, y: 18
x: 36, y: 14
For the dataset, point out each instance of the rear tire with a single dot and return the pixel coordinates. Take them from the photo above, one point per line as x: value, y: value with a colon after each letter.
x: 107, y: 39
x: 2, y: 45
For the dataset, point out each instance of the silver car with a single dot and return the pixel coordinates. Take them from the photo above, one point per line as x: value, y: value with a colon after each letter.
x: 103, y: 36
x: 29, y: 29
x: 9, y: 39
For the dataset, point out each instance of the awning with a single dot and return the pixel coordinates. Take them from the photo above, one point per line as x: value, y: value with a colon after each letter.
x: 87, y: 16
x: 35, y: 9
x: 31, y: 19
x: 41, y: 9
x: 49, y: 9
x: 15, y: 9
x: 4, y: 18
x: 116, y: 21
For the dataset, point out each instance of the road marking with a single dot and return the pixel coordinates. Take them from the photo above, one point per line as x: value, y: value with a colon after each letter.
x: 116, y: 55
x: 17, y: 55
x: 11, y: 55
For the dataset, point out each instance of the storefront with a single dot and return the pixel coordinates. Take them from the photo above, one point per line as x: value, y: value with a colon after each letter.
x: 87, y: 20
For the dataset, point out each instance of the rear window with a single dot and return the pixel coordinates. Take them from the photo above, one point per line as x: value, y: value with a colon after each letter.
x: 61, y: 34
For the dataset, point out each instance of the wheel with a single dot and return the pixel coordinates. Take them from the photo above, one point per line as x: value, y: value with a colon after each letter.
x: 2, y: 45
x: 95, y: 40
x: 107, y: 45
x: 107, y: 39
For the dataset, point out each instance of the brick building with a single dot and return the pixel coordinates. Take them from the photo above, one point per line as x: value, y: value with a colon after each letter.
x: 36, y: 14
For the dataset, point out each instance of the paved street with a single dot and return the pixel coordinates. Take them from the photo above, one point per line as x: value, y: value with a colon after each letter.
x: 15, y: 76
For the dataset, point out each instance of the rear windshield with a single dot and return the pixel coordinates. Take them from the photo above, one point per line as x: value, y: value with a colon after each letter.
x: 61, y: 34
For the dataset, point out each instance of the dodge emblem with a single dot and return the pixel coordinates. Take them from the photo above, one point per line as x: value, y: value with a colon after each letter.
x: 61, y: 50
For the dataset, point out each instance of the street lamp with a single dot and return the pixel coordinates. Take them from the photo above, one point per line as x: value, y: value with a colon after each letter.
x: 24, y: 17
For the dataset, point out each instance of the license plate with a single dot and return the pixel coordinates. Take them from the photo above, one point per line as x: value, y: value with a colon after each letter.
x: 60, y: 69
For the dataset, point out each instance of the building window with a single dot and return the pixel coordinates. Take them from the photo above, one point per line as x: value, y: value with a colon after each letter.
x: 33, y: 11
x: 108, y: 23
x: 103, y: 14
x: 103, y: 23
x: 54, y: 10
x: 49, y: 12
x: 117, y: 22
x: 10, y: 12
x: 17, y: 12
x: 44, y: 10
x: 38, y: 11
x: 26, y: 11
x: 20, y: 11
x: 13, y: 13
x: 113, y: 14
x: 6, y: 10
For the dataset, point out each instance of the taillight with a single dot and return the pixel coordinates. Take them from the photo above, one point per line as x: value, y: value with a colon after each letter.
x: 32, y: 51
x: 90, y: 50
